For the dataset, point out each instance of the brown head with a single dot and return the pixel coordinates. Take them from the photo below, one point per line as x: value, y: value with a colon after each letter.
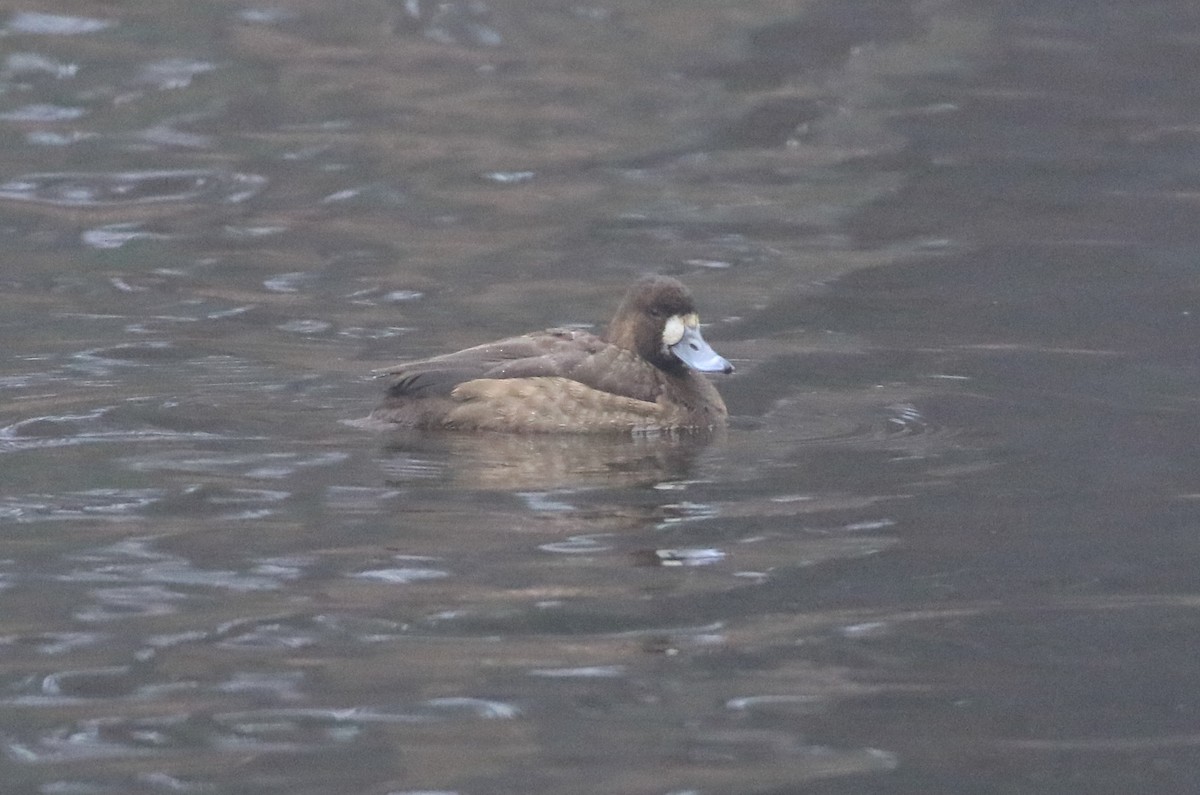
x: 657, y: 319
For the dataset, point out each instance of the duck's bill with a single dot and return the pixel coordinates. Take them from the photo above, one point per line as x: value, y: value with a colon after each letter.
x: 693, y: 351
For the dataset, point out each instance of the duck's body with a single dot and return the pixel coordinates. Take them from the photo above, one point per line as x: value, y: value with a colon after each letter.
x: 640, y: 376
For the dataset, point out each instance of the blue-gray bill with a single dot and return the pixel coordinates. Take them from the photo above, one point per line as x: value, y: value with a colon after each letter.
x: 693, y: 351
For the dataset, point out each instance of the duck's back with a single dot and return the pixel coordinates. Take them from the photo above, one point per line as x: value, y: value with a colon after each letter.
x: 551, y: 381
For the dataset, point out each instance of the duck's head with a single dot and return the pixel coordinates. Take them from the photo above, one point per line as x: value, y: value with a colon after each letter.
x: 658, y: 320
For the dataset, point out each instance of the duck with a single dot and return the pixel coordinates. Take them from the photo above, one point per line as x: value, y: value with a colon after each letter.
x: 642, y: 375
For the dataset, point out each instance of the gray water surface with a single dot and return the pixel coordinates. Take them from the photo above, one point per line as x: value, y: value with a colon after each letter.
x: 947, y: 544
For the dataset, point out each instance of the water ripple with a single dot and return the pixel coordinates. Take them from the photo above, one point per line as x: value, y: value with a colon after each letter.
x: 482, y: 708
x: 253, y: 465
x: 142, y: 601
x: 21, y: 63
x: 172, y: 73
x: 104, y: 682
x: 907, y: 420
x: 459, y: 23
x: 66, y: 430
x: 41, y: 113
x: 283, y: 686
x: 113, y: 504
x: 583, y: 672
x: 34, y: 22
x: 358, y: 499
x: 405, y: 468
x: 102, y: 361
x: 54, y: 643
x: 688, y: 557
x: 130, y: 188
x: 403, y: 575
x: 270, y: 635
x: 117, y: 235
x: 86, y: 740
x: 129, y: 579
x: 589, y: 544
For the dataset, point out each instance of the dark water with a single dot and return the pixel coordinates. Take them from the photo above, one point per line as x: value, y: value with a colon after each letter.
x: 948, y: 544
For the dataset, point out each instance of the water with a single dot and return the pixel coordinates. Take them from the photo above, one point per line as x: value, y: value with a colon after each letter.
x: 947, y: 543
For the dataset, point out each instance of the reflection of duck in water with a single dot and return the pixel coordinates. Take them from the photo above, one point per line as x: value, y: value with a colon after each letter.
x: 428, y: 466
x: 642, y: 375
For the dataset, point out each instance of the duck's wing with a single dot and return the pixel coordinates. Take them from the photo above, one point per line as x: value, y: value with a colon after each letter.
x: 559, y: 353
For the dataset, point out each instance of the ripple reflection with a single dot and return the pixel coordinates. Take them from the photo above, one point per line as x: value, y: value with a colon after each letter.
x: 81, y: 189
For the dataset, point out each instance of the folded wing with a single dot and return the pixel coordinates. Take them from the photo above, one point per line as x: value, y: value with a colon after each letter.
x: 563, y: 353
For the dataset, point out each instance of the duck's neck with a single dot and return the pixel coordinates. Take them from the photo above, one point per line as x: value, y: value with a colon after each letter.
x: 622, y: 334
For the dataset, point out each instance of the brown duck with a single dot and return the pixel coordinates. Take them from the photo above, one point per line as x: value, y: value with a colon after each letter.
x: 643, y: 375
